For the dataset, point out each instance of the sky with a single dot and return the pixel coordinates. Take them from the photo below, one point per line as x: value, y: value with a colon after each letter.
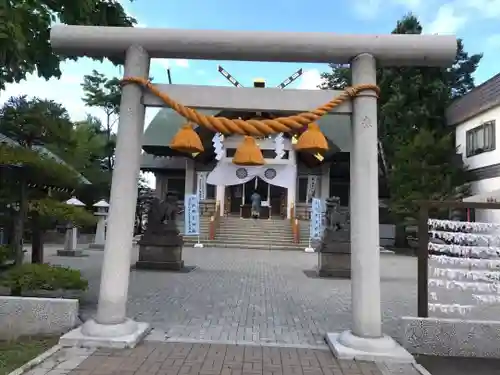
x: 475, y: 21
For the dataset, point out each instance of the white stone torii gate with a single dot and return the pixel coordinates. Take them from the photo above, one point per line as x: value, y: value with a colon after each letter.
x: 111, y: 327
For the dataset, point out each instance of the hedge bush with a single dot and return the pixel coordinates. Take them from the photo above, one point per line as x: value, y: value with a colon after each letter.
x: 30, y: 277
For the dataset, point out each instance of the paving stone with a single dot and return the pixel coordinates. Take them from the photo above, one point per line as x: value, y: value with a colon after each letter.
x: 218, y: 359
x: 246, y: 296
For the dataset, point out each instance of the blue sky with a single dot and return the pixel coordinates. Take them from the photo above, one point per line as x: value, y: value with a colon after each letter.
x: 476, y: 21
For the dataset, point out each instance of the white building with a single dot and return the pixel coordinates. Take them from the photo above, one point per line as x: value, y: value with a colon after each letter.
x: 475, y: 116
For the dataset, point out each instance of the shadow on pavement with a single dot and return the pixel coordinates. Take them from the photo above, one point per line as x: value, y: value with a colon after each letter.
x: 459, y: 365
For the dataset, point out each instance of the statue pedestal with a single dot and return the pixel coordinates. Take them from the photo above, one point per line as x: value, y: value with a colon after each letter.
x: 334, y: 260
x: 334, y: 255
x: 161, y: 252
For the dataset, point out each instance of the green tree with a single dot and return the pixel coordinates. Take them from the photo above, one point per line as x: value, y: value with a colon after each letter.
x: 426, y: 169
x: 31, y: 124
x: 104, y: 93
x: 411, y: 112
x: 89, y: 157
x: 25, y: 32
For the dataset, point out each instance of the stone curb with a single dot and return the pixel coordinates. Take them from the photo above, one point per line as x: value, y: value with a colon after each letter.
x: 421, y: 369
x: 36, y: 361
x: 240, y: 343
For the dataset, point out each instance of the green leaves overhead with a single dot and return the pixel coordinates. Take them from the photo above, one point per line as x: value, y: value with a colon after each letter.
x: 99, y: 91
x: 25, y: 32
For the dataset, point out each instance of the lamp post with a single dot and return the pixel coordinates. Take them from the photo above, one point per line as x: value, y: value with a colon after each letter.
x: 71, y: 237
x: 102, y: 208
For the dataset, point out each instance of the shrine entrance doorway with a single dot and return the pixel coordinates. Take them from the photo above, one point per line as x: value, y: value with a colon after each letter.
x: 274, y: 199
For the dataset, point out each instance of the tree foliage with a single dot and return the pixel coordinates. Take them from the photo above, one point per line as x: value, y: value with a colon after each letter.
x: 104, y: 93
x: 31, y: 123
x: 99, y: 91
x: 56, y: 211
x: 25, y: 32
x: 412, y: 122
x: 426, y: 169
x: 35, y: 121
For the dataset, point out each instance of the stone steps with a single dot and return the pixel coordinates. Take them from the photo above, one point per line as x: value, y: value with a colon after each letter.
x: 237, y: 233
x: 248, y: 246
x: 273, y: 234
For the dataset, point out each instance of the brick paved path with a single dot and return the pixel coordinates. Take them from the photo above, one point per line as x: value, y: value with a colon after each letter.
x: 245, y: 296
x: 216, y: 359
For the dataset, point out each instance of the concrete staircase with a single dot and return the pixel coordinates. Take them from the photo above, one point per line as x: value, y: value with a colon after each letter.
x: 234, y: 232
x: 189, y: 241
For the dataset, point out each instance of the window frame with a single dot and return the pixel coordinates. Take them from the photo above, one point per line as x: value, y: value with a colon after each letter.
x: 488, y: 129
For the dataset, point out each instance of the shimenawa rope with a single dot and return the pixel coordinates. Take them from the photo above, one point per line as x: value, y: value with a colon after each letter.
x: 252, y: 127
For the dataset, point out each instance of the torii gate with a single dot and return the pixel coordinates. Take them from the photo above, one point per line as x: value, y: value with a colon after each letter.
x: 111, y: 327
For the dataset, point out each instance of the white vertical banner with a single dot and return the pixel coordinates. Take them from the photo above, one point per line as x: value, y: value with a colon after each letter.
x: 312, y: 182
x: 191, y: 215
x: 201, y: 185
x: 316, y: 230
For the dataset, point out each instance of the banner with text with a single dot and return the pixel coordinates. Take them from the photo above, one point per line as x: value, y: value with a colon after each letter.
x: 312, y: 182
x: 202, y: 185
x: 191, y: 215
x: 316, y: 219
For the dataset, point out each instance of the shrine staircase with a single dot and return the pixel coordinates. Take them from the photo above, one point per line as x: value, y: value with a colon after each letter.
x: 189, y: 241
x: 260, y: 234
x: 234, y: 232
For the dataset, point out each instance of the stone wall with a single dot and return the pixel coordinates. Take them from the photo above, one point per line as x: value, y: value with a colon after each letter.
x: 451, y: 337
x: 25, y: 316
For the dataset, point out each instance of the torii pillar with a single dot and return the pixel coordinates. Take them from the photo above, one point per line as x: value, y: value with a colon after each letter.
x: 365, y: 340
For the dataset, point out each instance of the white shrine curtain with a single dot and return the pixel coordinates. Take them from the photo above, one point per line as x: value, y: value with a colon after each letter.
x: 227, y: 173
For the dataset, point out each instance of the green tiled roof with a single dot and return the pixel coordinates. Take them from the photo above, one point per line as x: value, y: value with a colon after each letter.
x: 47, y: 153
x: 167, y: 122
x: 163, y: 127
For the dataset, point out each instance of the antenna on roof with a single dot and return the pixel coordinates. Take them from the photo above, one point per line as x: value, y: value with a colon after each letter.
x: 228, y: 76
x: 169, y: 76
x: 290, y: 79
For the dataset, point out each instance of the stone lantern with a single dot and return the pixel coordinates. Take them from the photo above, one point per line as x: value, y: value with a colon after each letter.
x: 71, y: 237
x: 101, y: 212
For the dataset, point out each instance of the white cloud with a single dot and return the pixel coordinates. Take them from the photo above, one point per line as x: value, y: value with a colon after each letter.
x: 168, y: 63
x: 310, y: 80
x: 369, y: 9
x: 485, y: 8
x: 67, y: 91
x: 182, y: 63
x: 447, y: 21
x: 410, y: 4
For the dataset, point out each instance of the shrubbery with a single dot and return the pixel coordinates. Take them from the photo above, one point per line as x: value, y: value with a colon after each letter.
x: 7, y: 254
x: 31, y: 277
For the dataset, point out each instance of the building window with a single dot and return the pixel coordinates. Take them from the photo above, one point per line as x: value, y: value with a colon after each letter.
x: 481, y: 139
